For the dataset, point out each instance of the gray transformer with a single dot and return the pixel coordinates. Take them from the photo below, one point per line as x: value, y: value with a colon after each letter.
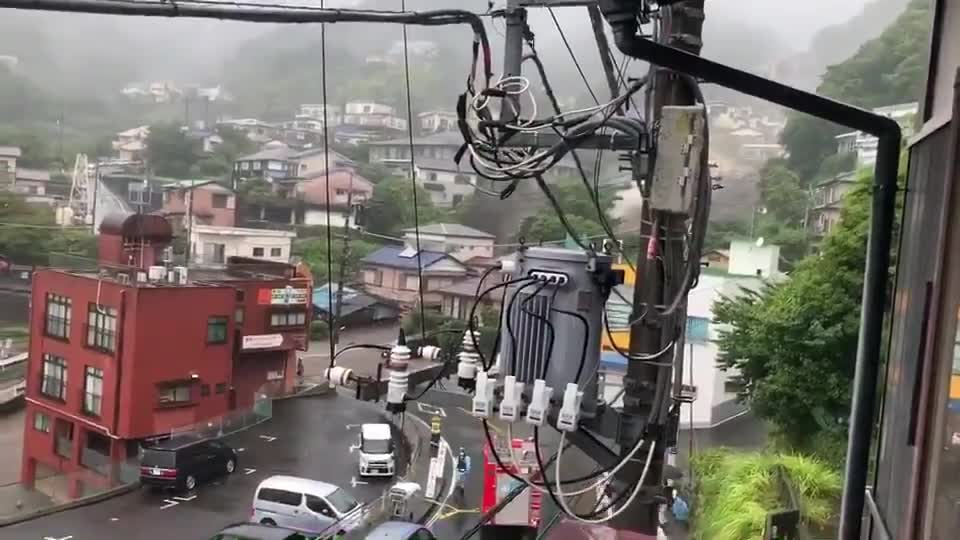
x: 572, y: 287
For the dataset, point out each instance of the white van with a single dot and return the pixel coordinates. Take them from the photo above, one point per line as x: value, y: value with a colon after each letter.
x: 376, y: 450
x: 305, y: 505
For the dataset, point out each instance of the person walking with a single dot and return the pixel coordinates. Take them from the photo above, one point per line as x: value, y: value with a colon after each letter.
x: 463, y: 471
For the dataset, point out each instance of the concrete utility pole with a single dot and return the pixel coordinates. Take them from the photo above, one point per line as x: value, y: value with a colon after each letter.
x: 645, y: 405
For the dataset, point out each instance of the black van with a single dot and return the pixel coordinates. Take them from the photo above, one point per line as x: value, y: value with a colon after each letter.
x: 181, y: 462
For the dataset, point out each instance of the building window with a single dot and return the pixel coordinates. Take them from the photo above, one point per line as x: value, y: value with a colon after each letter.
x: 258, y: 252
x: 276, y: 252
x: 731, y: 386
x: 432, y: 176
x: 41, y: 422
x: 410, y: 282
x: 92, y: 390
x: 288, y: 318
x: 238, y: 315
x: 698, y: 330
x: 58, y: 316
x: 216, y: 330
x: 63, y: 443
x: 204, y: 390
x: 54, y: 382
x: 221, y: 388
x: 219, y: 200
x: 139, y: 193
x: 102, y: 327
x: 173, y: 393
x: 373, y: 277
x: 257, y: 165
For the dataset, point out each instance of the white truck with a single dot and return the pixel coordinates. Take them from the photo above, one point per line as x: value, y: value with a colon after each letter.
x: 376, y: 450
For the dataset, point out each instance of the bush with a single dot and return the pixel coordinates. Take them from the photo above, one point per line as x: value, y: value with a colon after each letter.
x: 319, y: 330
x: 736, y: 490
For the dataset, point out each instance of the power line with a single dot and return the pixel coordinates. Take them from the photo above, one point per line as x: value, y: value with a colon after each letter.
x: 573, y: 56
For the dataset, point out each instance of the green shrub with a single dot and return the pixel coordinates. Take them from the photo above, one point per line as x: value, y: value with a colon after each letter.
x: 319, y: 330
x: 736, y: 490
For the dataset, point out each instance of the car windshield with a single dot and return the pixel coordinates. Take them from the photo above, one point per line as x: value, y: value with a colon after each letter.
x: 342, y: 501
x: 376, y: 446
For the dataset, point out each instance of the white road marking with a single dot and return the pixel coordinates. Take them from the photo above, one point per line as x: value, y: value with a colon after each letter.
x: 168, y: 504
x: 354, y: 482
x: 351, y: 426
x: 268, y: 438
x: 248, y: 471
x: 354, y: 448
x: 240, y: 449
x: 427, y: 408
x: 114, y: 519
x: 68, y: 537
x: 185, y: 499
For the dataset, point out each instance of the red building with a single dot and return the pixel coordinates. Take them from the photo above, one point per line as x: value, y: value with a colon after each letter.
x: 135, y: 350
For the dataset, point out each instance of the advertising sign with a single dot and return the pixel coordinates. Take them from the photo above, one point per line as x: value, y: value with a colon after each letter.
x: 262, y: 341
x: 286, y: 296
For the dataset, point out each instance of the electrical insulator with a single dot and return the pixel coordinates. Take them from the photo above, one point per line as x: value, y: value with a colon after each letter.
x: 469, y: 358
x: 338, y: 375
x: 399, y: 378
x: 430, y: 352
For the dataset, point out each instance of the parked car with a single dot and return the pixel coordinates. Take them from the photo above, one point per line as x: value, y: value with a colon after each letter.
x: 305, y: 505
x: 254, y: 531
x: 400, y: 530
x: 182, y: 462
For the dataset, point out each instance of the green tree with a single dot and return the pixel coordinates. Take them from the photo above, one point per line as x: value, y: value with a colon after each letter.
x: 391, y: 209
x: 34, y: 149
x: 29, y: 235
x: 580, y: 211
x: 782, y: 195
x: 793, y: 344
x: 314, y: 252
x: 887, y: 70
x: 169, y: 151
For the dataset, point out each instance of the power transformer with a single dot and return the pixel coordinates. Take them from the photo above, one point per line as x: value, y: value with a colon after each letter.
x: 566, y: 288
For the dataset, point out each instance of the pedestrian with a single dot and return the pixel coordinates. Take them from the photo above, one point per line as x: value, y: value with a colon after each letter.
x: 463, y: 470
x: 300, y: 367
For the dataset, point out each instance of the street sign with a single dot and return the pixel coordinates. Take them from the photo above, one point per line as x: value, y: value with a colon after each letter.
x: 431, y: 490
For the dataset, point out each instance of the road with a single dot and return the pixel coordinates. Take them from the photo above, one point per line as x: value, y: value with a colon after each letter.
x: 317, y: 359
x: 308, y: 437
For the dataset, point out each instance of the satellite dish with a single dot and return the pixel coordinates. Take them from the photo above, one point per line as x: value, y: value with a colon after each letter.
x: 760, y: 242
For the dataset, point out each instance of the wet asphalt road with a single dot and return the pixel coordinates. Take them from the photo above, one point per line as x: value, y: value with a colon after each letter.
x: 308, y: 437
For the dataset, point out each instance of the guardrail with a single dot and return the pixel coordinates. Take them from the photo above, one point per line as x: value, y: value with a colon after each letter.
x: 785, y: 523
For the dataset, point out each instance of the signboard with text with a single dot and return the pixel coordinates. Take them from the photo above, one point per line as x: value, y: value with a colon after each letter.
x: 281, y: 297
x: 262, y: 341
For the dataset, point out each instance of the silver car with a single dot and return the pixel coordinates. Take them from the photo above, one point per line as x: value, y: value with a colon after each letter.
x: 305, y: 505
x: 400, y: 530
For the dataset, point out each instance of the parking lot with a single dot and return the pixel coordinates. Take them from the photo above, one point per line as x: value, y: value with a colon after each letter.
x: 309, y: 437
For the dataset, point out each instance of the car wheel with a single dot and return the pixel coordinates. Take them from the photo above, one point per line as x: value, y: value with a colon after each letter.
x: 190, y: 482
x: 231, y: 466
x: 268, y: 521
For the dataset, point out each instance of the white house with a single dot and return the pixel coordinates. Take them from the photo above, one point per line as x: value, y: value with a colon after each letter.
x: 865, y: 145
x: 212, y: 245
x: 315, y: 111
x: 461, y: 242
x: 716, y: 390
x: 433, y: 121
x: 445, y: 182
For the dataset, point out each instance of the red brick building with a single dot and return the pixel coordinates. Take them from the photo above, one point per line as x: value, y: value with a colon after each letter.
x: 135, y: 350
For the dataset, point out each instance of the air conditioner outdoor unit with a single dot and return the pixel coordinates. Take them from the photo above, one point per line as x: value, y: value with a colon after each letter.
x: 123, y: 279
x: 156, y: 273
x: 141, y: 277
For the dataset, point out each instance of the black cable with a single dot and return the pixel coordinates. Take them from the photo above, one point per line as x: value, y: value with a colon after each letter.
x: 413, y: 178
x: 513, y: 337
x: 479, y: 297
x: 586, y: 340
x: 471, y: 323
x: 331, y: 315
x: 573, y: 56
x: 550, y: 328
x: 362, y: 346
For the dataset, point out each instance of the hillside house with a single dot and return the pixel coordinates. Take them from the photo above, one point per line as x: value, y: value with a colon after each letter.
x: 303, y: 200
x: 391, y: 273
x: 8, y: 163
x: 459, y: 241
x: 205, y: 202
x: 436, y: 121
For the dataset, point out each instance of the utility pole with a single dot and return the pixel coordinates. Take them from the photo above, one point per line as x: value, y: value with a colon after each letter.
x: 645, y: 403
x: 343, y: 265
